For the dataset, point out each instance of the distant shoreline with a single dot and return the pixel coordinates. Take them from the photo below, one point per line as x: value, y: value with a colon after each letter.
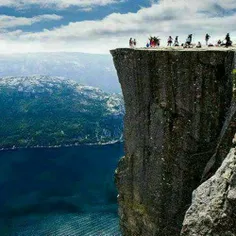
x: 14, y: 148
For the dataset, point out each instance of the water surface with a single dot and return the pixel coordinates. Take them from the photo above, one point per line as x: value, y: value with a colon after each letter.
x: 65, y: 191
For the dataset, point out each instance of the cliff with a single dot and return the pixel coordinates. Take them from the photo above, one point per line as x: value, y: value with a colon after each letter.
x: 176, y: 105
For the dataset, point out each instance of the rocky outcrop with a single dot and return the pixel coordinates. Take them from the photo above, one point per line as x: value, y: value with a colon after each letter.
x: 176, y: 103
x: 213, y: 209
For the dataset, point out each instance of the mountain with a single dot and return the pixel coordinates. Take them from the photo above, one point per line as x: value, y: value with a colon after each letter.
x: 53, y: 111
x: 80, y: 67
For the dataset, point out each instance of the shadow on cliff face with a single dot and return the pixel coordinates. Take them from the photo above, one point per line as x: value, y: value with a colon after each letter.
x: 225, y: 137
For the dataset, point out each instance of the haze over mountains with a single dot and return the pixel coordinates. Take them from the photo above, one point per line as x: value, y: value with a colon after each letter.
x: 87, y: 69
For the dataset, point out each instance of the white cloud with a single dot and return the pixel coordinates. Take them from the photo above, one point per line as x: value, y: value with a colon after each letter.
x: 60, y: 4
x: 86, y: 9
x: 12, y: 21
x: 168, y: 17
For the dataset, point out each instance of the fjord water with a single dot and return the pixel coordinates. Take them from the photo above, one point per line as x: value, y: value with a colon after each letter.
x: 65, y: 191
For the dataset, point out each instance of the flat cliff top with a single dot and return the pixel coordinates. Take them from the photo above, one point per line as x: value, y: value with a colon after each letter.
x: 204, y: 48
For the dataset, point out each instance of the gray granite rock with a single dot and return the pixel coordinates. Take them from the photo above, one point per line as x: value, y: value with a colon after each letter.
x: 213, y: 208
x: 176, y: 103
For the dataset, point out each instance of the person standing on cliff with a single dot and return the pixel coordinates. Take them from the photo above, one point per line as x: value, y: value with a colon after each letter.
x: 150, y: 41
x: 228, y: 41
x: 134, y: 42
x: 176, y: 43
x: 158, y: 41
x: 189, y: 40
x: 131, y: 42
x: 207, y: 37
x: 169, y: 42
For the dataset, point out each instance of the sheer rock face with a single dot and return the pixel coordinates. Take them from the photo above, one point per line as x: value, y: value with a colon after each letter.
x: 213, y: 209
x: 175, y: 103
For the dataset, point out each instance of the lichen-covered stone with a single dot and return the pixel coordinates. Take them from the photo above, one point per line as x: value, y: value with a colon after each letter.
x: 176, y: 103
x: 213, y: 209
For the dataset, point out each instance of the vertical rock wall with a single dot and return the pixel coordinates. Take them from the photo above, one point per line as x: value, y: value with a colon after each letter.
x: 213, y: 208
x: 176, y: 103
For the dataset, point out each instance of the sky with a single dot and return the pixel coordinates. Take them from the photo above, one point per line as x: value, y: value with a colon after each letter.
x: 96, y: 26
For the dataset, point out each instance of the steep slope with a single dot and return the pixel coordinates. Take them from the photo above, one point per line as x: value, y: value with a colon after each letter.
x: 176, y: 103
x: 52, y: 111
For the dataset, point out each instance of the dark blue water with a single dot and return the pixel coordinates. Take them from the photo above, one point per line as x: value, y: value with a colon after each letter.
x: 66, y: 191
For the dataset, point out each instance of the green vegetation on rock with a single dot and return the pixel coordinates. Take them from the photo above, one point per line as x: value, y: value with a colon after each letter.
x: 45, y: 111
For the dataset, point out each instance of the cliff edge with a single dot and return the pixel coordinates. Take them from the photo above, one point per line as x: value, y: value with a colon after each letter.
x: 176, y: 105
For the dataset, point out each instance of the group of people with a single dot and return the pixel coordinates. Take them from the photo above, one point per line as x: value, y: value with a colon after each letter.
x: 170, y: 41
x: 132, y: 42
x: 226, y: 42
x: 155, y: 42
